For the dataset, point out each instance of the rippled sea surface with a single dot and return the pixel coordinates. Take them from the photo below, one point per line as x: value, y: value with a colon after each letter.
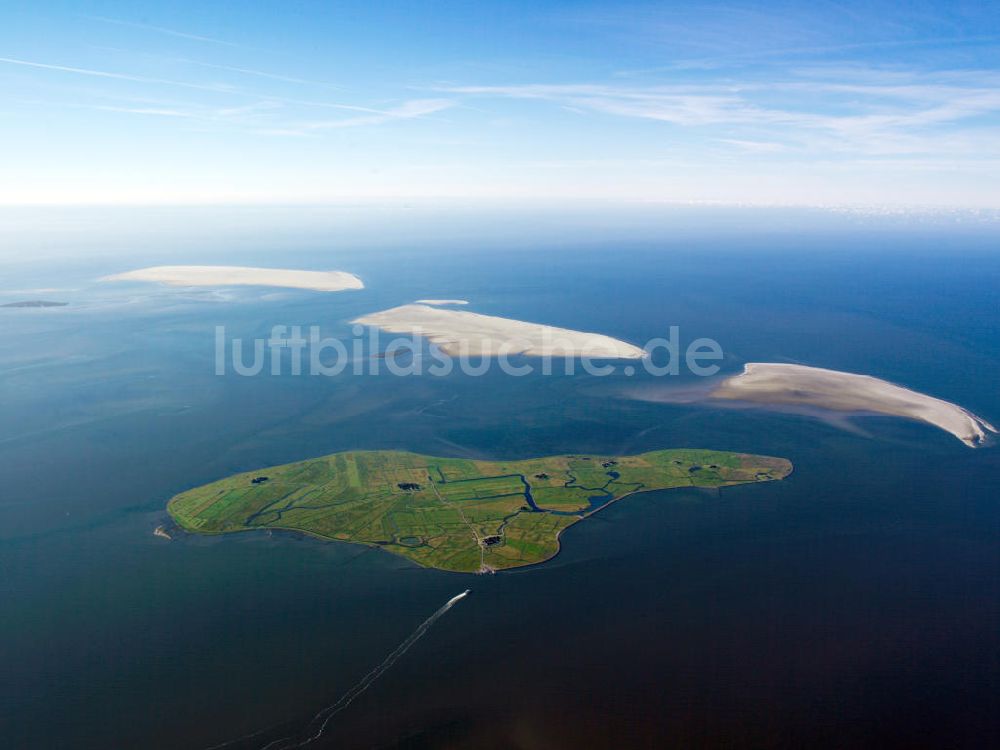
x: 856, y: 603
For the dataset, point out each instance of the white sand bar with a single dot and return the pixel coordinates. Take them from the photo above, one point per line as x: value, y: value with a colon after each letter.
x: 320, y: 281
x: 461, y: 333
x: 442, y: 302
x: 771, y: 383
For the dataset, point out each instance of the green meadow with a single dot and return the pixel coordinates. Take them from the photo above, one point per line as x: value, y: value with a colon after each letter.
x: 453, y: 514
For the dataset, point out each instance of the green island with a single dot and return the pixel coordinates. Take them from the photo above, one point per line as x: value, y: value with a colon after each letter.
x: 452, y: 513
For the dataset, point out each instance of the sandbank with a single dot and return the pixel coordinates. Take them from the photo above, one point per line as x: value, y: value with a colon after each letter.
x: 461, y: 333
x: 320, y: 281
x: 774, y: 383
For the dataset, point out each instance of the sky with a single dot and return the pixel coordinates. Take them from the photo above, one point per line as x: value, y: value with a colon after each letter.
x: 867, y: 104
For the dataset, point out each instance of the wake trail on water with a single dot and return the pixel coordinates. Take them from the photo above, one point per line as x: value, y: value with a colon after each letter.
x: 318, y: 724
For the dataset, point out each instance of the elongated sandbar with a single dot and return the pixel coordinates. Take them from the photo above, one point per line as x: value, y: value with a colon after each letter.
x: 462, y: 333
x: 775, y: 383
x: 320, y: 281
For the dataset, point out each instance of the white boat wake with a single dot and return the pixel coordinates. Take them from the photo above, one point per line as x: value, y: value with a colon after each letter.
x: 317, y: 726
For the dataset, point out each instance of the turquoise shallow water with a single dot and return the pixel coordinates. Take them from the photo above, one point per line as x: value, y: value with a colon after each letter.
x: 857, y: 603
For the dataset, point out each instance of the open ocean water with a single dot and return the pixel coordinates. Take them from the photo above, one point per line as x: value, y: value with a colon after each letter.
x: 855, y: 604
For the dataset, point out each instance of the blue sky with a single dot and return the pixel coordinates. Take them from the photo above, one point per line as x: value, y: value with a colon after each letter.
x: 866, y: 104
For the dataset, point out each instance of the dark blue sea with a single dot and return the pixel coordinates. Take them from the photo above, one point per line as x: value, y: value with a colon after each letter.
x: 856, y: 604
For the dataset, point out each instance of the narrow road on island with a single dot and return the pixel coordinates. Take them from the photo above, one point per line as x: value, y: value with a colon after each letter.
x: 475, y: 534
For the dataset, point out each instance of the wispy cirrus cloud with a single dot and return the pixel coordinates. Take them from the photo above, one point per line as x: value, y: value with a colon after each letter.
x: 759, y: 147
x: 212, y: 87
x: 265, y: 115
x: 148, y: 111
x: 247, y: 115
x: 162, y: 30
x: 112, y: 75
x: 244, y: 116
x: 906, y: 113
x: 259, y: 73
x: 681, y: 105
x: 409, y: 110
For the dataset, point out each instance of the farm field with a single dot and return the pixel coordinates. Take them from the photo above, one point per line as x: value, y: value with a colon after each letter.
x: 453, y: 514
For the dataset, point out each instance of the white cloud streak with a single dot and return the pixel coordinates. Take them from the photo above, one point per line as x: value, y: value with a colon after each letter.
x: 260, y: 74
x: 251, y: 116
x: 162, y: 30
x: 113, y: 75
x: 410, y: 110
x: 919, y: 114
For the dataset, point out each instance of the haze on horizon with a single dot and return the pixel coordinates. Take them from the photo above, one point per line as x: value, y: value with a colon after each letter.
x: 867, y: 103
